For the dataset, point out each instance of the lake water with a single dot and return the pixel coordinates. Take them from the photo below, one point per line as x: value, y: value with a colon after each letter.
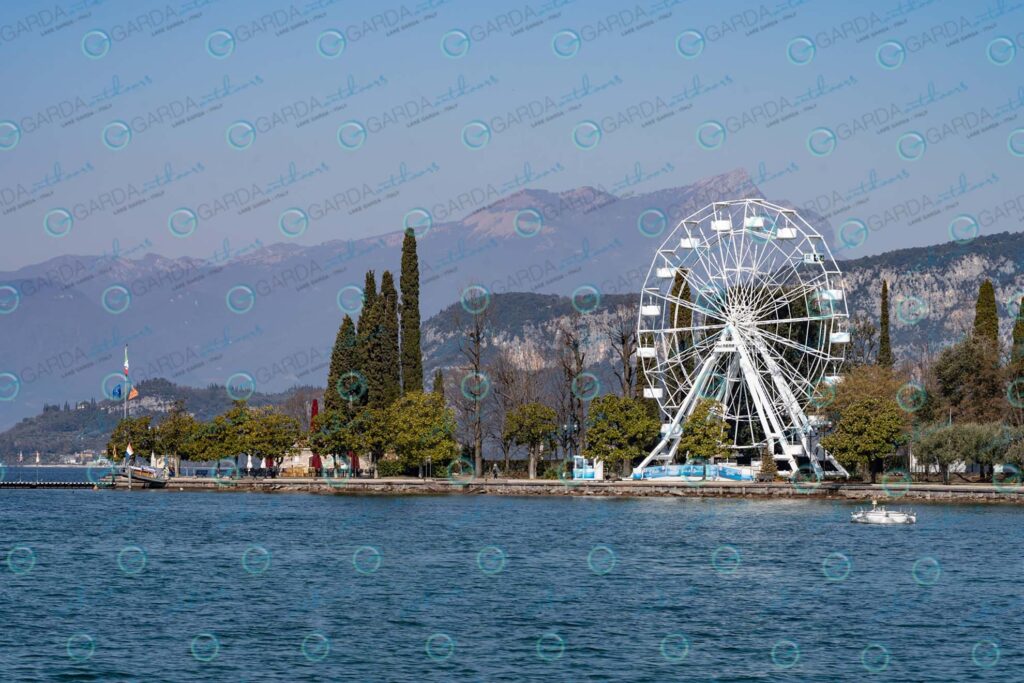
x: 179, y: 586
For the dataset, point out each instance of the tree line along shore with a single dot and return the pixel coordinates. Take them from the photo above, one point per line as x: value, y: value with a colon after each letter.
x: 953, y: 415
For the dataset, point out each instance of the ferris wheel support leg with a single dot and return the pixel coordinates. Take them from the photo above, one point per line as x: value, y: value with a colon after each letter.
x: 687, y: 406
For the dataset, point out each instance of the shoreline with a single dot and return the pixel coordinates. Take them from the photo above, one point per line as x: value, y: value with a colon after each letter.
x: 969, y: 493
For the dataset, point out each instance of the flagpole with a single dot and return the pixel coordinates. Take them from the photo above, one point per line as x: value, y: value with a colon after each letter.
x: 128, y: 465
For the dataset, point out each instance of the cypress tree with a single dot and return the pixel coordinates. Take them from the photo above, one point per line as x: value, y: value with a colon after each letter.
x: 364, y: 335
x: 439, y: 383
x: 409, y: 284
x: 344, y: 358
x: 885, y: 358
x: 1017, y: 354
x: 986, y: 319
x: 388, y: 359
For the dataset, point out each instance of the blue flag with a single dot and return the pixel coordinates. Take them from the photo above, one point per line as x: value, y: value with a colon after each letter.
x: 116, y: 393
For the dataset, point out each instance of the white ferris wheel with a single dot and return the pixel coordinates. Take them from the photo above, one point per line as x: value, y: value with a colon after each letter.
x: 744, y: 305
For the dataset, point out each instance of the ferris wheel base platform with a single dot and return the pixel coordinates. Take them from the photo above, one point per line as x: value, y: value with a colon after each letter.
x: 695, y: 473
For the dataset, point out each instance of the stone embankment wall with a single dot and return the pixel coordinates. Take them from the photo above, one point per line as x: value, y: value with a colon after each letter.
x: 902, y: 492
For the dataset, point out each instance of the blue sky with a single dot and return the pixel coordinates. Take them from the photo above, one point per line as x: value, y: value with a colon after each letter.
x: 155, y: 124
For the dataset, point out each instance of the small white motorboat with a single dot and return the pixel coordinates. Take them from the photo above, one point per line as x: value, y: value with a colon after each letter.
x: 879, y: 515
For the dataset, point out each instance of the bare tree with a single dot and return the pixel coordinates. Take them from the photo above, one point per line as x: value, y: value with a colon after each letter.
x: 511, y: 386
x: 475, y: 385
x: 864, y: 346
x: 576, y: 387
x: 621, y: 330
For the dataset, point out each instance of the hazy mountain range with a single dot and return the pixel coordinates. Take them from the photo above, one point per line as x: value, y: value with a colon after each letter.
x: 271, y: 311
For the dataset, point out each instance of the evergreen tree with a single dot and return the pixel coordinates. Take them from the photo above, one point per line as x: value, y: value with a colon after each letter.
x: 343, y: 388
x: 383, y: 358
x: 1017, y: 350
x: 885, y: 357
x: 986, y: 318
x: 369, y: 298
x: 409, y: 283
x: 438, y: 383
x: 365, y: 334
